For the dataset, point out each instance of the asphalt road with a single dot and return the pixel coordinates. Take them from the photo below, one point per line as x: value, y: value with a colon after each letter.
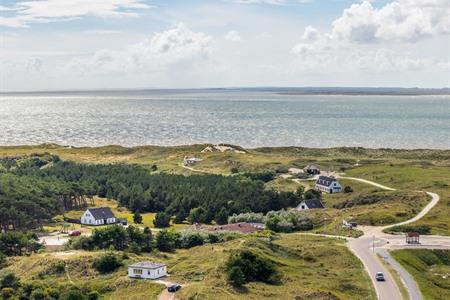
x: 375, y: 240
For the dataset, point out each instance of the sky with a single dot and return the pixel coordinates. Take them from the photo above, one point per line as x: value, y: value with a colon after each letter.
x: 115, y: 44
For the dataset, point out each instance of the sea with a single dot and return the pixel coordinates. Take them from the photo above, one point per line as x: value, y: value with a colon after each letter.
x: 249, y: 118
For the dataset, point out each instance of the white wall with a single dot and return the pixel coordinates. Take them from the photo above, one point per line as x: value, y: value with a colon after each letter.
x: 147, y: 273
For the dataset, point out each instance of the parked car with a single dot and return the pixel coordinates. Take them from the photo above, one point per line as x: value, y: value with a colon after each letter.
x: 75, y: 233
x: 379, y: 276
x: 354, y: 224
x: 173, y: 288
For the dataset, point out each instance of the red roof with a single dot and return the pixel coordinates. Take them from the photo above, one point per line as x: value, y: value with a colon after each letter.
x: 242, y: 227
x: 413, y: 234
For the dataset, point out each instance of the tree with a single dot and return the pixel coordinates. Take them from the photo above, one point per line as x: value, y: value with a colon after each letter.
x: 161, y: 220
x: 300, y: 192
x: 148, y: 240
x: 236, y: 276
x: 137, y: 218
x: 166, y: 241
x: 313, y: 194
x: 196, y: 215
x: 73, y: 294
x: 222, y: 216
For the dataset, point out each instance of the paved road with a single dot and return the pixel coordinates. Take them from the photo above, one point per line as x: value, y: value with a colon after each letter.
x: 374, y: 239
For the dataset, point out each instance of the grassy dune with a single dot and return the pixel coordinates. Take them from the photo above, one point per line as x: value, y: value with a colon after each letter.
x: 430, y: 269
x: 309, y: 266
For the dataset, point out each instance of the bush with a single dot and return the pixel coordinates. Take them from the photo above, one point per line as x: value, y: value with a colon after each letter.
x: 236, y: 277
x: 93, y: 295
x: 247, y: 217
x: 162, y: 220
x: 7, y: 293
x: 107, y: 263
x: 10, y: 280
x: 253, y: 267
x: 73, y: 294
x: 421, y: 229
x: 348, y: 189
x: 288, y: 221
x: 167, y: 241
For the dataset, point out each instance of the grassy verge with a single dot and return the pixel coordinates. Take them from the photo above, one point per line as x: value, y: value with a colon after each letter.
x: 429, y: 268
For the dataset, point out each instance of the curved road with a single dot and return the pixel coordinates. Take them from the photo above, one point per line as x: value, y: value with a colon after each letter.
x: 375, y: 240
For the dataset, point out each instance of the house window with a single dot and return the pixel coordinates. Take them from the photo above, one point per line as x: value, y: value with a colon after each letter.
x: 137, y: 271
x: 148, y: 272
x: 303, y: 207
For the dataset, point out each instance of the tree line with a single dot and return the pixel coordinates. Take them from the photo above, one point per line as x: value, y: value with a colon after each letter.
x: 33, y: 189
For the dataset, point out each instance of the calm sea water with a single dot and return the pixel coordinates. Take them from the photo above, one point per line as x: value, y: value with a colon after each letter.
x: 246, y: 118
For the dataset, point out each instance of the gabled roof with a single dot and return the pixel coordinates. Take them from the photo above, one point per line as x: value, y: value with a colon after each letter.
x: 100, y: 213
x: 147, y: 265
x: 325, y: 180
x: 314, y: 203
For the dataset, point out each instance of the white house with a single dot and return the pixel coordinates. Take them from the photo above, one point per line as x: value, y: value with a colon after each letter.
x: 191, y: 160
x: 328, y: 184
x: 147, y: 270
x: 98, y: 216
x: 310, y: 204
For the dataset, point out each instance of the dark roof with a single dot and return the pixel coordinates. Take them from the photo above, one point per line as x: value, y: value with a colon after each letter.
x: 101, y: 213
x: 325, y: 180
x: 314, y: 203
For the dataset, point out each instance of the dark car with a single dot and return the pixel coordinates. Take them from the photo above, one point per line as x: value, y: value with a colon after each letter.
x: 75, y: 233
x: 173, y: 288
x: 379, y: 276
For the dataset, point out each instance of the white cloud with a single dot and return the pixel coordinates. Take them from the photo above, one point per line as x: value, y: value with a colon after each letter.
x: 361, y: 39
x: 45, y: 11
x: 178, y: 45
x: 400, y: 20
x: 233, y: 36
x: 272, y: 2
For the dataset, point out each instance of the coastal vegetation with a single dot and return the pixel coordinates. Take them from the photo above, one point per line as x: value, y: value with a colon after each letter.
x: 430, y: 269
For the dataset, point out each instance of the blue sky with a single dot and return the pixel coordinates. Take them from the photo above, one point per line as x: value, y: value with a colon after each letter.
x: 85, y: 44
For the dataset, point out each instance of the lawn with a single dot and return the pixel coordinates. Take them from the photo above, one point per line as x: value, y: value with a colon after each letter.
x: 119, y: 212
x: 430, y: 269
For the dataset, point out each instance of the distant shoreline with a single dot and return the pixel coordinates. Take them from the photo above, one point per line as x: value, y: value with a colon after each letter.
x: 289, y: 91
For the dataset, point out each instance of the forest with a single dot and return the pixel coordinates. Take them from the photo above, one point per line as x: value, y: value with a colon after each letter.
x: 35, y: 188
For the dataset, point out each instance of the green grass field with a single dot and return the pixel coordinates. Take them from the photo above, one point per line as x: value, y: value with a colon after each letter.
x: 430, y: 269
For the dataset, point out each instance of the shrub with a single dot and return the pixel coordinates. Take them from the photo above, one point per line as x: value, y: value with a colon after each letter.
x: 10, y: 280
x: 7, y: 293
x: 236, y: 277
x: 421, y: 229
x: 107, y: 263
x: 348, y: 189
x: 73, y: 294
x: 167, y: 241
x: 247, y: 217
x: 288, y: 221
x: 253, y: 267
x: 93, y: 295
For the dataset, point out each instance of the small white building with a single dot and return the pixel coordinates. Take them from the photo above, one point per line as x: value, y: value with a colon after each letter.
x: 310, y: 204
x: 147, y: 270
x: 187, y: 161
x: 98, y: 216
x: 328, y: 184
